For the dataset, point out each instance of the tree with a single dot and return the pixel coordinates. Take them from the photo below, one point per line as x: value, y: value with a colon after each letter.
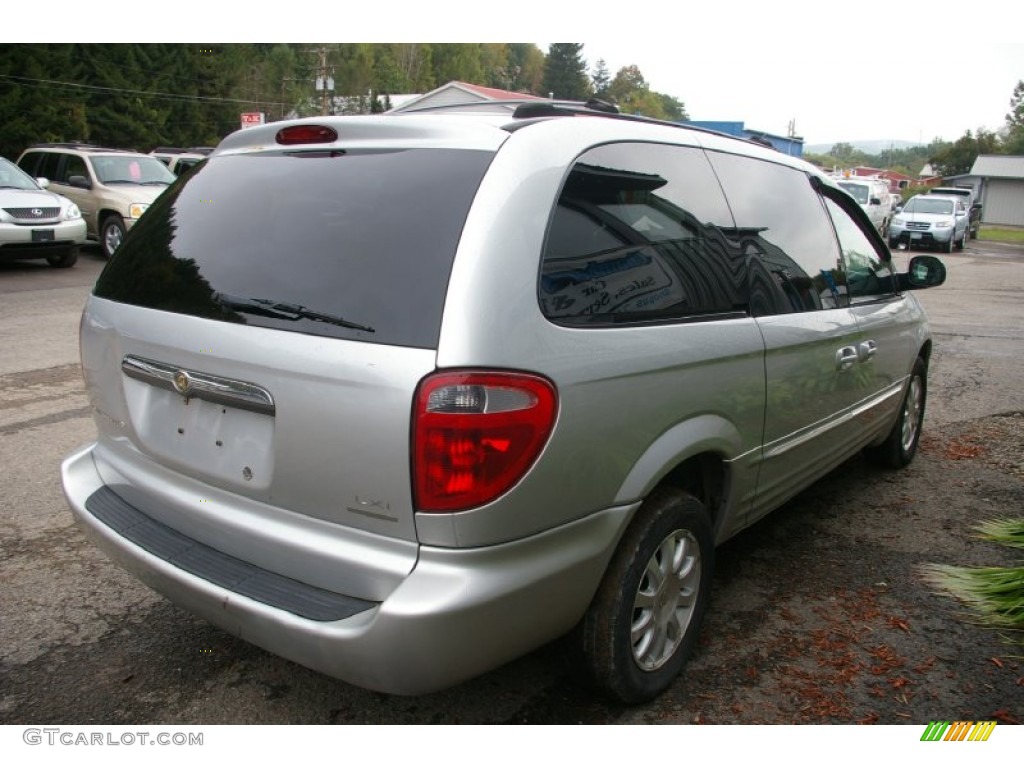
x: 526, y: 61
x: 1015, y: 117
x: 35, y: 107
x: 458, y: 61
x: 601, y: 79
x: 565, y: 72
x: 1013, y: 139
x: 630, y: 91
x: 958, y: 157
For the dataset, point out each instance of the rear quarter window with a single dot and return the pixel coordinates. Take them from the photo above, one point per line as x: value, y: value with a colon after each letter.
x: 641, y: 233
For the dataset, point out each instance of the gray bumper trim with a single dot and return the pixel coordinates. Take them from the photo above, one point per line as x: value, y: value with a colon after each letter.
x: 218, y: 568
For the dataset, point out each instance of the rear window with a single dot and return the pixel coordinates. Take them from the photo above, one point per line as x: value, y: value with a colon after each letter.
x: 355, y: 245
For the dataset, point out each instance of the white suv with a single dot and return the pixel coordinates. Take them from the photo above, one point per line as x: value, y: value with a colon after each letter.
x: 418, y: 393
x: 36, y: 223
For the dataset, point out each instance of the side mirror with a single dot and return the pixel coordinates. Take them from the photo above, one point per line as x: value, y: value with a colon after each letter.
x: 923, y: 272
x: 43, y: 182
x: 899, y: 207
x: 80, y: 182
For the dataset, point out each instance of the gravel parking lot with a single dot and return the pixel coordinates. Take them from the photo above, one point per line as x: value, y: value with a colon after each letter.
x: 819, y: 614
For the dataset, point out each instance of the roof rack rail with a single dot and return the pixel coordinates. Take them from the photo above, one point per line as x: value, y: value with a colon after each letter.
x: 182, y: 150
x: 531, y: 110
x: 74, y: 145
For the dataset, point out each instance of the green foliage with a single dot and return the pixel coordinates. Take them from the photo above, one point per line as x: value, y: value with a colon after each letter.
x: 140, y: 96
x: 994, y: 595
x: 601, y: 80
x: 1015, y: 117
x: 957, y: 158
x: 630, y: 91
x: 565, y: 72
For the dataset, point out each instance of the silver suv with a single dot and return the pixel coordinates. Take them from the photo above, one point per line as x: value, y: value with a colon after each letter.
x: 404, y: 397
x: 111, y: 187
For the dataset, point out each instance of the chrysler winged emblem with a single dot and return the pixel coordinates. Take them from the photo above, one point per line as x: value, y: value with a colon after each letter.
x: 182, y: 382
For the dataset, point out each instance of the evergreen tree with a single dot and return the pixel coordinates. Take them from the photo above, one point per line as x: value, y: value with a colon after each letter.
x: 601, y: 79
x: 1015, y: 117
x: 565, y: 72
x: 34, y: 104
x: 1013, y: 143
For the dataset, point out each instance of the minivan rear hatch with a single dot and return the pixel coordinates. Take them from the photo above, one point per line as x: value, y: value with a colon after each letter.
x: 261, y: 331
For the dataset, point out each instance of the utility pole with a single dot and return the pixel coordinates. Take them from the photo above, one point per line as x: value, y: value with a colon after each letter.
x: 324, y: 81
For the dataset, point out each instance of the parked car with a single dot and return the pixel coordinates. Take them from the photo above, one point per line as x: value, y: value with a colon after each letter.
x: 470, y: 383
x: 971, y: 203
x: 36, y: 223
x: 873, y: 196
x: 178, y: 160
x: 111, y: 187
x: 934, y: 221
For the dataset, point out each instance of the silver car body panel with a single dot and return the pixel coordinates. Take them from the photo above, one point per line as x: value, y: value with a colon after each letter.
x: 292, y: 452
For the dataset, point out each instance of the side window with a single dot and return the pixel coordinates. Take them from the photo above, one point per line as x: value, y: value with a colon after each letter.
x: 50, y: 165
x: 30, y: 164
x: 868, y: 274
x: 641, y: 233
x: 786, y: 236
x: 75, y: 166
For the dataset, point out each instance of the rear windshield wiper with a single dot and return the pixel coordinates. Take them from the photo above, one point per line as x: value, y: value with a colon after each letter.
x: 284, y: 311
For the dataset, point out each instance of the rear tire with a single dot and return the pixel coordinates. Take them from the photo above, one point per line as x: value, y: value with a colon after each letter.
x: 645, y: 618
x: 900, y: 446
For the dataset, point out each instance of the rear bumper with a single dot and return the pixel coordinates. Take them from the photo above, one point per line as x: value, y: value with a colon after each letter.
x: 459, y: 612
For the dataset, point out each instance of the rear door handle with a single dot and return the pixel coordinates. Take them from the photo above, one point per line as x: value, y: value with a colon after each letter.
x: 866, y: 350
x: 846, y: 358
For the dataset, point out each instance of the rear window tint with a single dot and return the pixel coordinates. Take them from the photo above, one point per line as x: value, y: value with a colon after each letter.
x: 352, y: 245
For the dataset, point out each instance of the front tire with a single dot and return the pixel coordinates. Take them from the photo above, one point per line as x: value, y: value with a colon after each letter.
x: 644, y: 620
x: 112, y: 232
x: 900, y: 445
x: 66, y: 259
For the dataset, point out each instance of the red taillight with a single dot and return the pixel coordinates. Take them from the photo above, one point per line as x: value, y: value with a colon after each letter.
x: 475, y: 435
x: 307, y: 134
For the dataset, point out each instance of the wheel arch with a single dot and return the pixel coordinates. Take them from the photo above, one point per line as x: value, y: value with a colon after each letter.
x: 694, y: 456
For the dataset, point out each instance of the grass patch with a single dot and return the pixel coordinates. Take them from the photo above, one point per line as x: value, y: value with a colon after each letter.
x: 1002, y: 234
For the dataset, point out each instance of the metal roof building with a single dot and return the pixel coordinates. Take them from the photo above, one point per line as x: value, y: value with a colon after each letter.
x: 1002, y: 188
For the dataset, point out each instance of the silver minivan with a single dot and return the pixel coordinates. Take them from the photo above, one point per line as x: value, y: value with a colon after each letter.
x: 403, y: 397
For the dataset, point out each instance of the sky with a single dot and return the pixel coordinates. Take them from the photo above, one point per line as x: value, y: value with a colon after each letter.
x: 897, y: 70
x: 833, y: 93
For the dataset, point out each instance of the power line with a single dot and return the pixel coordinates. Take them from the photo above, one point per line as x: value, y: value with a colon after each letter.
x: 62, y: 85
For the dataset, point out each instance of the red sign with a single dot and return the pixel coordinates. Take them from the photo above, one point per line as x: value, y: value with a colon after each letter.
x: 250, y: 119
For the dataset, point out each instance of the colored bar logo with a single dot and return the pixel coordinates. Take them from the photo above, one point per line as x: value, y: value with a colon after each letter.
x: 962, y: 730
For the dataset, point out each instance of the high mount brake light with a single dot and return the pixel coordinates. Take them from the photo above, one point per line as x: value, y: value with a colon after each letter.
x: 475, y: 435
x: 307, y: 134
